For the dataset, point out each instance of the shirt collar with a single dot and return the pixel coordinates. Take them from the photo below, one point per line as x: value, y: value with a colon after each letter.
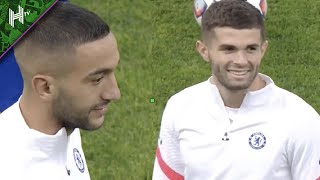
x: 48, y: 146
x: 252, y: 98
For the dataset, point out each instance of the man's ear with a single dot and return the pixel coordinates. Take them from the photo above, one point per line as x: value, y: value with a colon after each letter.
x: 203, y: 50
x: 264, y: 47
x: 44, y: 87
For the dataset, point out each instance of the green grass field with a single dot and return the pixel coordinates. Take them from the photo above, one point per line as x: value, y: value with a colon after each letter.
x: 158, y: 58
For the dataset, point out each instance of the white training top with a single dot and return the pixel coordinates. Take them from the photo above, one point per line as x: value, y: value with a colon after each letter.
x: 27, y: 154
x: 274, y: 135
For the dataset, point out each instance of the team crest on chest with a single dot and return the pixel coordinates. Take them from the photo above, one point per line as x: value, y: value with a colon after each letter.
x: 78, y: 160
x: 257, y: 140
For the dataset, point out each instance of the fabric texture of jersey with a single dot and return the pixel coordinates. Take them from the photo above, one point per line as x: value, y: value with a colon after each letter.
x: 31, y: 155
x: 11, y: 83
x: 274, y: 135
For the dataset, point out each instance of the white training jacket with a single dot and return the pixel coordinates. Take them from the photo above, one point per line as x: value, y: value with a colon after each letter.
x: 274, y: 135
x: 27, y: 154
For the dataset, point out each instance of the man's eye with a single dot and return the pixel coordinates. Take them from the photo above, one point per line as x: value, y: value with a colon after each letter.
x: 98, y: 80
x: 252, y: 48
x: 228, y: 49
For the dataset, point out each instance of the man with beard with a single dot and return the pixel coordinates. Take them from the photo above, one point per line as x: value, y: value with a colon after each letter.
x: 238, y: 124
x: 67, y: 63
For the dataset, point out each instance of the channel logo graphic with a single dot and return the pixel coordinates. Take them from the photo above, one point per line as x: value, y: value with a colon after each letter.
x: 17, y: 17
x: 20, y: 15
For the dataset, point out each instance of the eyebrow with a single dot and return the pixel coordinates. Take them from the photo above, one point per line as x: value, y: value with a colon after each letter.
x: 103, y: 70
x: 95, y: 73
x: 253, y: 45
x: 99, y: 71
x: 222, y: 46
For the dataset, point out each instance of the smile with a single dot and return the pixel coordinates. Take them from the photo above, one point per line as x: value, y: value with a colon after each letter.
x: 238, y: 73
x: 101, y: 111
x: 101, y: 108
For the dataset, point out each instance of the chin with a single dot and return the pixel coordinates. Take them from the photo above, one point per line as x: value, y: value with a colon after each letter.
x: 238, y: 87
x: 95, y: 124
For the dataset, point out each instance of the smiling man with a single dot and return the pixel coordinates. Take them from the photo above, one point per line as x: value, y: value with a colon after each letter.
x: 67, y: 63
x: 238, y: 124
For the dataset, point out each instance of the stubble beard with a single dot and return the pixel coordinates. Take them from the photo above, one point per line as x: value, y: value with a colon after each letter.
x: 222, y: 76
x: 64, y: 112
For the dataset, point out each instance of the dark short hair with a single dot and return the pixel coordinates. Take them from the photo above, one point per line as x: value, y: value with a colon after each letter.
x: 237, y: 14
x: 66, y: 26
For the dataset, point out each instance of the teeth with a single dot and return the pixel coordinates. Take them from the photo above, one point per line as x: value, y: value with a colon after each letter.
x: 238, y: 73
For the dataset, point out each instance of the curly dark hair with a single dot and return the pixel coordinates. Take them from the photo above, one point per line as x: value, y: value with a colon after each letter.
x: 237, y: 14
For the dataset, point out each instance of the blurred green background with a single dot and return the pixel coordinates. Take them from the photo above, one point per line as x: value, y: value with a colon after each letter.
x: 157, y: 39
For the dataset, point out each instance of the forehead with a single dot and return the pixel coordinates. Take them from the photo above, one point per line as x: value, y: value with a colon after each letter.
x: 102, y: 53
x: 236, y: 37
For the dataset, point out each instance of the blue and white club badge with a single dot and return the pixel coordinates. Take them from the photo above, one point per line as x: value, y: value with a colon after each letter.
x: 257, y: 140
x: 78, y: 160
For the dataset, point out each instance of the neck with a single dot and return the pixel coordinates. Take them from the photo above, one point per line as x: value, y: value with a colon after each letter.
x: 234, y: 98
x: 38, y: 115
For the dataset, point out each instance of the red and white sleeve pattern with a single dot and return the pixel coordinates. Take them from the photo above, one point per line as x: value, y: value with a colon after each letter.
x: 168, y: 163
